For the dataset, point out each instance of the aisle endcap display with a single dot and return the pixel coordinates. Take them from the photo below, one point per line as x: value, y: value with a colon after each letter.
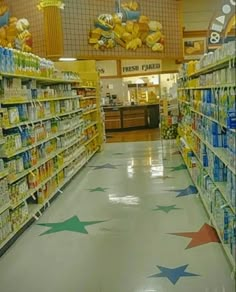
x: 169, y: 118
x: 49, y: 129
x: 207, y: 131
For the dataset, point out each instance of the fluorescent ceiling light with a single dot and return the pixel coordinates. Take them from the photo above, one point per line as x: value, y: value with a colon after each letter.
x: 67, y: 59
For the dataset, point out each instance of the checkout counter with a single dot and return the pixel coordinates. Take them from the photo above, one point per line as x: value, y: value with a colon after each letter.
x: 132, y: 116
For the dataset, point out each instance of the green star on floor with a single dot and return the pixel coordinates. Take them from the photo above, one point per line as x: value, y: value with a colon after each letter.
x: 72, y: 224
x: 166, y: 209
x: 179, y: 167
x: 98, y: 189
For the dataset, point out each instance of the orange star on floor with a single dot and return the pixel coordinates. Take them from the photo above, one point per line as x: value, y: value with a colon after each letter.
x: 206, y: 234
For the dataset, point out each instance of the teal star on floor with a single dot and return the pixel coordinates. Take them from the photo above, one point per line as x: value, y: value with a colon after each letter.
x: 106, y: 165
x: 98, y: 189
x: 166, y: 209
x: 72, y: 224
x: 179, y: 167
x: 173, y: 274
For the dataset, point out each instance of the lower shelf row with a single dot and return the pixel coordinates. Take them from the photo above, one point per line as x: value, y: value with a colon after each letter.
x: 12, y: 221
x: 221, y: 215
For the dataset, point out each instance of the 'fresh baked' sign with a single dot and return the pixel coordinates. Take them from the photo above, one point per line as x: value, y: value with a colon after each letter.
x: 131, y: 67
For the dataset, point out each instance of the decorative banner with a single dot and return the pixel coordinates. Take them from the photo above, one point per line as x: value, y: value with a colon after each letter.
x: 53, y: 29
x: 218, y: 25
x: 132, y: 67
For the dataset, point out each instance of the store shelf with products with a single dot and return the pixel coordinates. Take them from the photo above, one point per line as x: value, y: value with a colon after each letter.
x: 49, y: 131
x: 207, y: 103
x: 194, y: 168
x: 169, y: 118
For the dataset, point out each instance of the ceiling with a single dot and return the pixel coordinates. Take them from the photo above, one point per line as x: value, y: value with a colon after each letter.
x: 197, y: 14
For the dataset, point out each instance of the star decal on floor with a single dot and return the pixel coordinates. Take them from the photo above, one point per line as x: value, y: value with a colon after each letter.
x: 166, y: 209
x: 176, y: 153
x: 173, y: 274
x: 206, y: 234
x: 190, y: 190
x: 72, y: 224
x: 163, y: 176
x: 104, y: 166
x: 179, y: 167
x: 98, y: 189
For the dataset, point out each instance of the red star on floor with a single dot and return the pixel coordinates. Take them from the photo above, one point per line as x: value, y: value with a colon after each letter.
x: 205, y: 235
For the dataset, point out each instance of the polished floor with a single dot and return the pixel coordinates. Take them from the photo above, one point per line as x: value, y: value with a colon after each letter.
x: 131, y: 221
x: 133, y: 135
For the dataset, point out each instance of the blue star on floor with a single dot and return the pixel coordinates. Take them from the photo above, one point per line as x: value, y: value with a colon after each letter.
x: 73, y: 224
x: 105, y: 166
x: 173, y: 274
x: 190, y: 190
x: 98, y: 189
x: 178, y: 168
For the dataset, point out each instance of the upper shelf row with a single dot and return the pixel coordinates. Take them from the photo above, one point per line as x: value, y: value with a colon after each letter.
x: 226, y: 62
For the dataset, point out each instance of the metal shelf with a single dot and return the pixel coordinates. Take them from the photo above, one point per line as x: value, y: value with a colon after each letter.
x: 89, y: 111
x: 4, y: 207
x: 44, y: 80
x: 36, y: 208
x: 40, y: 142
x: 41, y: 120
x: 212, y: 219
x: 221, y: 186
x: 218, y: 151
x: 207, y: 86
x: 214, y: 67
x: 90, y: 140
x: 37, y: 100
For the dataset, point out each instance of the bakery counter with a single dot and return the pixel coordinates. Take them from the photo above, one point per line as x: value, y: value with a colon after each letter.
x: 133, y: 116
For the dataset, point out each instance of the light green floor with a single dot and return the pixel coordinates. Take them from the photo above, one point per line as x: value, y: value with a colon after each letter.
x: 141, y: 193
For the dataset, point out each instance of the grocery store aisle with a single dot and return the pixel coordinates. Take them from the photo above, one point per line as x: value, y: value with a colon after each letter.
x: 114, y: 229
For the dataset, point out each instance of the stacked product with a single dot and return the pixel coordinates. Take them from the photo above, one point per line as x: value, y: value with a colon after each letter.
x: 48, y: 131
x: 207, y: 102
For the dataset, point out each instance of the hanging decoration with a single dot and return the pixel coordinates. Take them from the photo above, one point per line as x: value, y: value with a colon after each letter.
x: 53, y: 29
x: 14, y: 33
x: 128, y: 28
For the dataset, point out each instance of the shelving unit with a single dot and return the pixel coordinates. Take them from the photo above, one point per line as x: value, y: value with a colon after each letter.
x: 169, y: 118
x: 208, y: 140
x: 49, y: 129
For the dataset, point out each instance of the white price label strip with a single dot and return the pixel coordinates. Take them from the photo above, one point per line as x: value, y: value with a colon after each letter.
x: 34, y: 198
x: 36, y: 217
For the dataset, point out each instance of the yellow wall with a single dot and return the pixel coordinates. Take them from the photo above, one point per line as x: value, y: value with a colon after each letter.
x: 77, y: 66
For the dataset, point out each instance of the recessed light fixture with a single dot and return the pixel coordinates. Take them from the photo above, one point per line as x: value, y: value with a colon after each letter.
x: 67, y: 59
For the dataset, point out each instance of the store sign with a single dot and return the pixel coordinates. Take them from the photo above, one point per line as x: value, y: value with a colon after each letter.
x: 107, y: 68
x: 219, y: 23
x: 131, y: 67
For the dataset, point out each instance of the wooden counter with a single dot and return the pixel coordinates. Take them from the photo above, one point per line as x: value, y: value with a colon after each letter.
x: 134, y: 116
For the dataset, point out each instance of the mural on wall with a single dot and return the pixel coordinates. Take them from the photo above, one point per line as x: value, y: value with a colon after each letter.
x: 14, y: 33
x: 128, y: 28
